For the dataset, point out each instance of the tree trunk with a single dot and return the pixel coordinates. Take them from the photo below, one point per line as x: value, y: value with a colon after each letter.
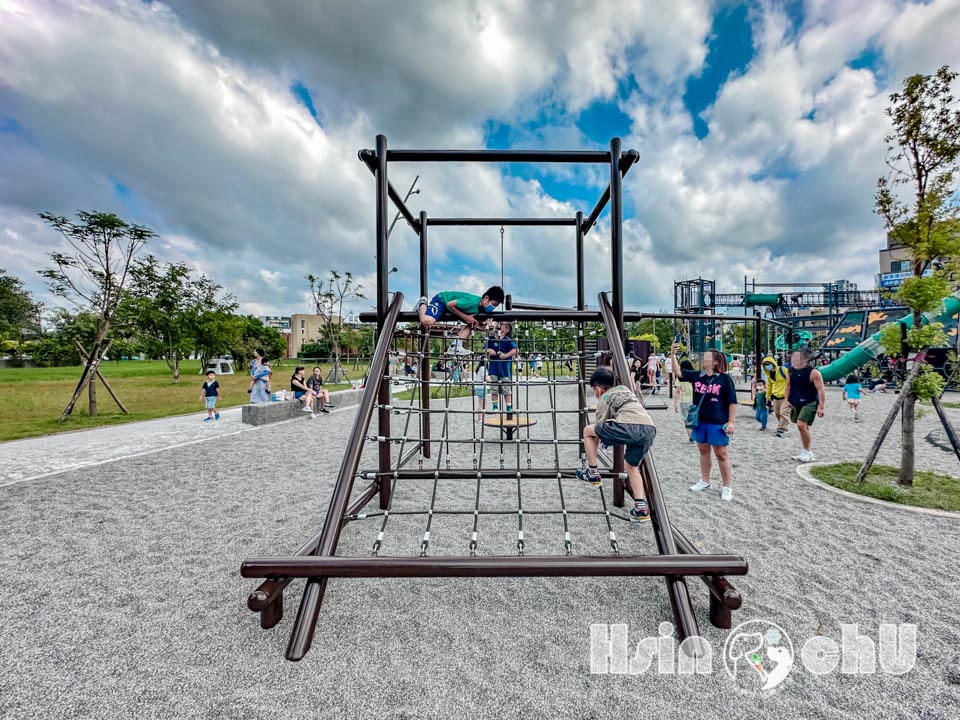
x: 908, y: 450
x: 92, y: 396
x: 176, y: 369
x: 887, y: 424
x: 93, y: 362
x: 907, y: 447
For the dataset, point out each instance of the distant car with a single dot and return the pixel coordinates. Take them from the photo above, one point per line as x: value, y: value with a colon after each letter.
x: 221, y: 366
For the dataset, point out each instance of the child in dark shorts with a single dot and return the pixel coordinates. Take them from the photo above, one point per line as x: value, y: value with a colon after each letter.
x: 621, y: 420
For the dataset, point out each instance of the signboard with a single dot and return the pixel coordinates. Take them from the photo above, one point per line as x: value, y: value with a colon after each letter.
x: 889, y: 280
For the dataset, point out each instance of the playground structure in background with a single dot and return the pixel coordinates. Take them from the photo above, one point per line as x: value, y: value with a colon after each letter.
x: 848, y: 334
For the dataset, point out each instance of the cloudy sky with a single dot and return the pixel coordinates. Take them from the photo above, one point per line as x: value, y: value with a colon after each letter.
x: 232, y: 128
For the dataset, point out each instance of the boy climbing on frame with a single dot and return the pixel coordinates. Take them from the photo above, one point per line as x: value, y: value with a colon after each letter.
x: 465, y: 306
x: 621, y: 420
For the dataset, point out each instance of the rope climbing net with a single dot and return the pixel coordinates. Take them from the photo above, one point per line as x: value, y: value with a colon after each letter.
x: 457, y: 432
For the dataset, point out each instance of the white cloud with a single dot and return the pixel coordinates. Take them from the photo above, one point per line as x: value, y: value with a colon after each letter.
x: 189, y: 107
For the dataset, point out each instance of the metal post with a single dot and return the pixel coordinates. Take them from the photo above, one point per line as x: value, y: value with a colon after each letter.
x: 383, y: 301
x: 425, y: 346
x: 616, y: 232
x: 616, y: 263
x: 581, y: 329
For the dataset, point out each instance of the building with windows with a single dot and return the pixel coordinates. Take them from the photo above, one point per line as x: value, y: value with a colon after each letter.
x: 305, y: 330
x: 895, y: 265
x: 278, y: 322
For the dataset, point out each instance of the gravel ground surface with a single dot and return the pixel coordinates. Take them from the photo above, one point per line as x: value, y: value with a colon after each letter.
x: 124, y: 598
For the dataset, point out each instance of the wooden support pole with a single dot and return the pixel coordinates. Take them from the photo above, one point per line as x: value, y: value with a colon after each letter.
x: 86, y: 356
x: 951, y: 433
x: 89, y: 372
x: 888, y: 423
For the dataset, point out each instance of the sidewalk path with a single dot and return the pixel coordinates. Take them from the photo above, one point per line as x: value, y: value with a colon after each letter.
x: 37, y: 457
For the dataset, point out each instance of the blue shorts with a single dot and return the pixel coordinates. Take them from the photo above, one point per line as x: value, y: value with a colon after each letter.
x: 297, y: 394
x: 710, y: 434
x: 436, y: 308
x: 210, y: 402
x: 636, y: 439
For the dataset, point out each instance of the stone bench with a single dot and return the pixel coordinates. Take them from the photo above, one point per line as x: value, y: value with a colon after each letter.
x: 271, y: 412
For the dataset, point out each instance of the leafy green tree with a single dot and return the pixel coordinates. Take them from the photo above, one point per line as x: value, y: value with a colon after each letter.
x: 917, y: 201
x: 251, y: 334
x: 92, y: 275
x: 19, y: 314
x: 215, y: 333
x: 170, y: 306
x: 662, y: 330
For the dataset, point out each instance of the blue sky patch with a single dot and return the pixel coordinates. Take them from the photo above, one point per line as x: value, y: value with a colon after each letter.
x: 301, y: 93
x: 729, y: 50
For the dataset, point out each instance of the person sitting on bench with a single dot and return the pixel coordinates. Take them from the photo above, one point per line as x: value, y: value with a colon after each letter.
x: 315, y: 383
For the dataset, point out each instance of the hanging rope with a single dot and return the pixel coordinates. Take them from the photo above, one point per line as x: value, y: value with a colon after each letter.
x: 501, y: 256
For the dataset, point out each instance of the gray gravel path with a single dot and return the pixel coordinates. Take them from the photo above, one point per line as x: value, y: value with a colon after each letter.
x: 124, y: 598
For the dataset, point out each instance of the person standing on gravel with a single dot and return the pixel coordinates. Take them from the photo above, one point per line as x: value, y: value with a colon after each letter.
x: 806, y: 397
x: 776, y: 379
x: 715, y: 398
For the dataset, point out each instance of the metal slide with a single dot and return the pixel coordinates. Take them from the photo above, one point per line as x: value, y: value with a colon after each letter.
x: 870, y: 348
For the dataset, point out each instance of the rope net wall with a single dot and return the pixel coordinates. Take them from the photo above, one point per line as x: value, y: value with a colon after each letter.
x: 531, y: 435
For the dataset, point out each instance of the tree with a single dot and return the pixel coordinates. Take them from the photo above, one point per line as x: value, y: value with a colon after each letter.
x: 251, y: 334
x: 170, y: 308
x: 922, y: 154
x: 19, y: 314
x: 328, y: 298
x: 92, y: 276
x: 662, y: 330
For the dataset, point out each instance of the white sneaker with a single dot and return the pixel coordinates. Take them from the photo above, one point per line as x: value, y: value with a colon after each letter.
x: 313, y: 416
x: 422, y: 301
x: 804, y: 456
x: 726, y: 494
x: 306, y: 408
x: 458, y: 349
x: 700, y: 486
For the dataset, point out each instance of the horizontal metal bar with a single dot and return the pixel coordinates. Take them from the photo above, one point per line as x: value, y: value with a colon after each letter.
x: 472, y: 511
x: 490, y: 438
x: 533, y: 306
x: 533, y: 316
x: 490, y: 383
x: 493, y: 566
x: 551, y: 156
x: 371, y: 162
x: 536, y: 222
x: 400, y: 409
x: 484, y: 473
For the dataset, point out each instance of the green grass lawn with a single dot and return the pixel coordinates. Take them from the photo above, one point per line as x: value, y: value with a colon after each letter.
x: 31, y: 399
x: 929, y: 490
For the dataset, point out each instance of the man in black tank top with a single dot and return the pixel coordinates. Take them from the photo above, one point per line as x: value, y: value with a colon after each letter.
x: 806, y: 397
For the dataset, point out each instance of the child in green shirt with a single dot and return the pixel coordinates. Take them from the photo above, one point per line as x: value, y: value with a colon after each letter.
x: 760, y: 402
x: 462, y: 304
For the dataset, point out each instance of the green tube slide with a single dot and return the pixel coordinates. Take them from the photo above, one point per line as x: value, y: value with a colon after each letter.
x: 870, y: 348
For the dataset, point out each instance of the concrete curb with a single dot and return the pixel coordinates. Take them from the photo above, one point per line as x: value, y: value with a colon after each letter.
x: 269, y: 413
x: 803, y: 471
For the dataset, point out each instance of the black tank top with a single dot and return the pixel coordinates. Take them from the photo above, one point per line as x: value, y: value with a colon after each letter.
x: 802, y: 390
